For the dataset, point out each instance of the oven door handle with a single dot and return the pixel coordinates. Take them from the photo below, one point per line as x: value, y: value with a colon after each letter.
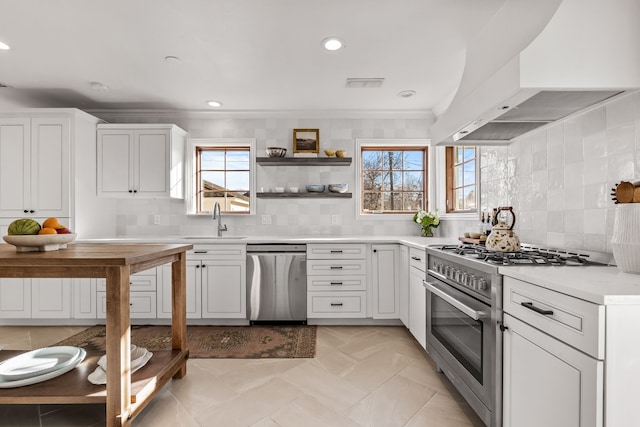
x: 474, y: 314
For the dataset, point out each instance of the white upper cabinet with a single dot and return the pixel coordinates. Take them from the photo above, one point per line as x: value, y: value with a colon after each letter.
x: 140, y: 160
x: 34, y: 167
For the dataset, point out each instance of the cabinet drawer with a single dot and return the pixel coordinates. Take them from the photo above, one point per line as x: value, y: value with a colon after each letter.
x: 347, y: 251
x: 343, y: 267
x: 336, y: 305
x: 418, y: 258
x: 142, y: 305
x: 218, y: 252
x: 138, y: 282
x: 574, y: 321
x: 337, y: 283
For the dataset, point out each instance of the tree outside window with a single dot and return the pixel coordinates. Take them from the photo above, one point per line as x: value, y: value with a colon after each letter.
x: 461, y: 179
x: 393, y: 179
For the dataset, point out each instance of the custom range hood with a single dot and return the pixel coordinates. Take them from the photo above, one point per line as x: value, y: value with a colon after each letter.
x: 566, y: 57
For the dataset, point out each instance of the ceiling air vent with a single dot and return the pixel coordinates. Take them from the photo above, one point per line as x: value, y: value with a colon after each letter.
x: 364, y: 83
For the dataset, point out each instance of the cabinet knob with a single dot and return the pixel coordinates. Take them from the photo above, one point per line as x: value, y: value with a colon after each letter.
x: 26, y: 211
x: 135, y: 191
x: 375, y: 250
x: 32, y: 211
x: 130, y: 191
x: 503, y: 328
x: 197, y: 266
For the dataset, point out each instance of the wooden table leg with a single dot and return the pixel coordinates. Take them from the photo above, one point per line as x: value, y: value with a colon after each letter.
x: 118, y: 347
x: 179, y: 308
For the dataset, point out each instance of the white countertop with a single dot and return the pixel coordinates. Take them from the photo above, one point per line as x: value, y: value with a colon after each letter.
x: 413, y: 241
x: 600, y: 285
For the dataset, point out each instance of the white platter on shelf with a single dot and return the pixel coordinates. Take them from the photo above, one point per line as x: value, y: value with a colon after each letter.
x: 38, y: 362
x: 39, y: 242
x: 45, y: 376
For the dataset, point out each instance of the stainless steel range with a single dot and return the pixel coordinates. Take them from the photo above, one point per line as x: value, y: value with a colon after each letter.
x: 464, y: 315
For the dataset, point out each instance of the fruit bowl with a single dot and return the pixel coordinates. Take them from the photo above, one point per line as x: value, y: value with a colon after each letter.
x: 39, y: 242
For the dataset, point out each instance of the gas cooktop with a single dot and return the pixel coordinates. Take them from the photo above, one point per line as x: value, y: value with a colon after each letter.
x: 528, y: 255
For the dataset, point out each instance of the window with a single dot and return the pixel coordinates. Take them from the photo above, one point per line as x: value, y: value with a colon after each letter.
x: 461, y: 179
x: 223, y: 174
x: 393, y: 179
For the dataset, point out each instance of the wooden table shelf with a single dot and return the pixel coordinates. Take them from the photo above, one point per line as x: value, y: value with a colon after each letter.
x: 124, y: 396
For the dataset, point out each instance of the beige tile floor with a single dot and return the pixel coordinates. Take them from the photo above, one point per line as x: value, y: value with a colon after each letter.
x: 361, y: 376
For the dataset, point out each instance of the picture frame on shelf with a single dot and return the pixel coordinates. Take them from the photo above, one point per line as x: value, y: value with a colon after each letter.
x: 306, y: 142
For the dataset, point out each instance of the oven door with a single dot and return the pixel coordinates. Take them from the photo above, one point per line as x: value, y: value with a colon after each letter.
x: 459, y: 340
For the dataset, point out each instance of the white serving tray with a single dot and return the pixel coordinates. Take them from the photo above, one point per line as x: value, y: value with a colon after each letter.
x: 38, y: 362
x: 46, y: 376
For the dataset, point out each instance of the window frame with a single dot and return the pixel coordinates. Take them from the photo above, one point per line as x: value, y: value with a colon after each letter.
x: 449, y: 172
x: 390, y: 144
x: 198, y: 143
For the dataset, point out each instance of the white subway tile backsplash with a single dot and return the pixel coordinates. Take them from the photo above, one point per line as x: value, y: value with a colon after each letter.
x: 585, y: 156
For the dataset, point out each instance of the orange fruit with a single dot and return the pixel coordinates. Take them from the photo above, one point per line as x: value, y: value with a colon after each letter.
x: 47, y: 230
x: 51, y: 223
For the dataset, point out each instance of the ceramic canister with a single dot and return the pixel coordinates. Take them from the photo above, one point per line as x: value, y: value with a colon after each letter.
x: 625, y: 241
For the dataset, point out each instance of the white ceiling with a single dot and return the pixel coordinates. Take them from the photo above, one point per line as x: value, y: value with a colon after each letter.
x: 251, y: 55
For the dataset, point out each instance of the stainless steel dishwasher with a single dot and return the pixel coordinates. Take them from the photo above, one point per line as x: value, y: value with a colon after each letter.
x: 277, y: 283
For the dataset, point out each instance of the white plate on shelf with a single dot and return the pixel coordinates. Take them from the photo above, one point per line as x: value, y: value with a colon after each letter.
x: 39, y: 242
x: 38, y: 362
x: 139, y: 357
x: 49, y: 375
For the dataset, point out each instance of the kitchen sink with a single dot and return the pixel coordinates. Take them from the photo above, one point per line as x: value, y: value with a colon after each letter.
x: 215, y: 237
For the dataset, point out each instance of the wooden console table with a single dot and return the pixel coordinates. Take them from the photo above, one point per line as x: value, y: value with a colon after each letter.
x: 125, y: 395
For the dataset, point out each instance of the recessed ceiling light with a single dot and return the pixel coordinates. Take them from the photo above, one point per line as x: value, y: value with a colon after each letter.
x: 100, y: 87
x: 4, y: 46
x: 333, y: 43
x: 172, y: 59
x: 214, y: 103
x: 406, y: 93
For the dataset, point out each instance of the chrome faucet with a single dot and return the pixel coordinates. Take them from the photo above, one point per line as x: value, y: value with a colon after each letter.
x: 216, y: 215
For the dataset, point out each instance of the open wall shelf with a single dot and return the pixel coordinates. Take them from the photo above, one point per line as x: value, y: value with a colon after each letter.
x: 304, y: 195
x: 304, y: 161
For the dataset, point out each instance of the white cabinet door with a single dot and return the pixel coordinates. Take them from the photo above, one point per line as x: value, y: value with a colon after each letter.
x: 417, y: 306
x: 548, y: 383
x: 193, y: 287
x: 386, y: 303
x: 140, y: 160
x: 15, y: 179
x: 51, y: 298
x: 115, y: 162
x: 15, y: 298
x: 84, y: 298
x: 403, y: 285
x: 224, y: 287
x: 152, y: 159
x: 50, y: 166
x: 34, y: 167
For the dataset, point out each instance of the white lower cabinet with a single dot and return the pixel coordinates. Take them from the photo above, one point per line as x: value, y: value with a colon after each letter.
x: 216, y: 283
x: 35, y: 298
x: 385, y: 281
x: 403, y: 285
x: 417, y: 296
x: 142, y: 299
x: 547, y: 382
x: 50, y: 298
x: 553, y: 372
x: 84, y: 298
x: 336, y: 281
x: 15, y: 298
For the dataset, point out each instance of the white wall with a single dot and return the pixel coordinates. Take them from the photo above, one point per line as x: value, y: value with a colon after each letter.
x: 559, y: 178
x: 289, y: 217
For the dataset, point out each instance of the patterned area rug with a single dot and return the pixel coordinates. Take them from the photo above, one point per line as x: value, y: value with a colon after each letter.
x: 215, y: 342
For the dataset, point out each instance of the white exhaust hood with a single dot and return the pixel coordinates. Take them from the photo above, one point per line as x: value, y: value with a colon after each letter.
x: 586, y: 53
